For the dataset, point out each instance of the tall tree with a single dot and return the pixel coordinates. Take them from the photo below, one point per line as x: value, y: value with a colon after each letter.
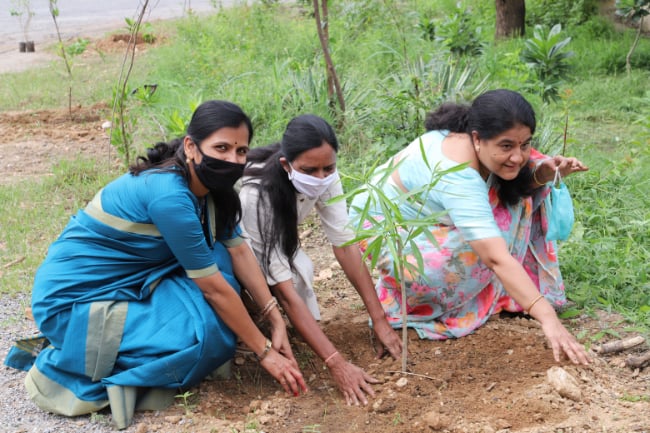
x: 511, y: 18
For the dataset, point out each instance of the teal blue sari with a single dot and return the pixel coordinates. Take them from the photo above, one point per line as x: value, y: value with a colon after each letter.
x: 125, y: 326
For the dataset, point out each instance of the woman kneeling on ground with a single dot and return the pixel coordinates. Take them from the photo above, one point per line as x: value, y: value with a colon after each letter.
x: 140, y: 292
x: 491, y: 253
x: 282, y: 183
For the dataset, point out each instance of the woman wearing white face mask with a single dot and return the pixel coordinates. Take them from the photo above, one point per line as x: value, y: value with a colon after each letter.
x: 282, y: 183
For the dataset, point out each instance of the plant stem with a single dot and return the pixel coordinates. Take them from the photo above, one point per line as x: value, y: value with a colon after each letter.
x: 118, y: 104
x: 400, y: 249
x: 411, y: 374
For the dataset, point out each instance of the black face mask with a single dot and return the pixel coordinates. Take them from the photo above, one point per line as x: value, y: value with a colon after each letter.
x: 217, y: 174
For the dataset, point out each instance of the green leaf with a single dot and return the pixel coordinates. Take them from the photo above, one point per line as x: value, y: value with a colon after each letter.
x: 570, y: 313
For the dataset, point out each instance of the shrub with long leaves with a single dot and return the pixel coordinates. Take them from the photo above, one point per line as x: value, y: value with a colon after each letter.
x: 544, y: 54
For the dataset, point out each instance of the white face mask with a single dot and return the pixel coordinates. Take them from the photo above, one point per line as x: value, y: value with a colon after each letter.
x: 311, y: 186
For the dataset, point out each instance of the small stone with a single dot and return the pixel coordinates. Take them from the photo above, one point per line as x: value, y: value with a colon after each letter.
x: 265, y: 419
x: 565, y: 384
x: 383, y: 406
x: 401, y: 382
x: 173, y: 419
x: 254, y: 405
x: 325, y: 274
x: 141, y: 428
x: 435, y: 421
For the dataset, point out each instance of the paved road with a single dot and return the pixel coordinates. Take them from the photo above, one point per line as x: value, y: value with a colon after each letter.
x: 87, y: 17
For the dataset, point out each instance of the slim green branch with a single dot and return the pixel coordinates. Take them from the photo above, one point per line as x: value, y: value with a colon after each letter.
x: 120, y: 97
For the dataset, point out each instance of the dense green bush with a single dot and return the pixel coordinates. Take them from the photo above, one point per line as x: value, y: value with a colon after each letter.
x: 595, y: 28
x: 460, y: 33
x: 568, y: 13
x: 547, y: 56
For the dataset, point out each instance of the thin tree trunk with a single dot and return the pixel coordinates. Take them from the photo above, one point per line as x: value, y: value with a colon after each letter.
x: 323, y: 36
x: 324, y: 19
x: 628, y: 64
x: 64, y: 56
x: 510, y: 18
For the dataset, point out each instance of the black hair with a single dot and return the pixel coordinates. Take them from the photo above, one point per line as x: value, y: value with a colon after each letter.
x: 208, y: 117
x: 491, y: 114
x: 276, y: 192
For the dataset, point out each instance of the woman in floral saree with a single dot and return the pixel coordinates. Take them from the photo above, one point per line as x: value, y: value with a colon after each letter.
x: 491, y: 253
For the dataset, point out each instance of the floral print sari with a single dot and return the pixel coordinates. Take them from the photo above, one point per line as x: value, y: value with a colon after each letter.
x: 457, y: 293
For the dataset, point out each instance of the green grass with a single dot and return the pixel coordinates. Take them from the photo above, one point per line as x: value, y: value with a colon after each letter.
x: 34, y: 213
x: 268, y: 60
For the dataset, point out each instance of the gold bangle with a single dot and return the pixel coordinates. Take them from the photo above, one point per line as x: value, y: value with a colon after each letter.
x: 535, y: 178
x: 329, y: 358
x: 527, y: 310
x: 267, y: 349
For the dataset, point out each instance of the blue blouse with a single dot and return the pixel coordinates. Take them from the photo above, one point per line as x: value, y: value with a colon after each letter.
x: 462, y: 194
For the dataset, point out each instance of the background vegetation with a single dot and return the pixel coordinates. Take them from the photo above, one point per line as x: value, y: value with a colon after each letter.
x: 396, y: 60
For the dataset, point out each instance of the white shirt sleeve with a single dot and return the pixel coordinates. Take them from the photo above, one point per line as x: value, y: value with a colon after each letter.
x: 334, y: 217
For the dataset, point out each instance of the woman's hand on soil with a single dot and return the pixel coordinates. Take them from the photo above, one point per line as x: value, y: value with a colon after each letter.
x: 353, y: 382
x: 280, y: 341
x: 387, y: 339
x: 564, y: 344
x: 285, y: 372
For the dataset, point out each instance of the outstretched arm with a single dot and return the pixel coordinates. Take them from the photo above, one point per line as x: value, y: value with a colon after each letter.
x: 544, y: 171
x: 494, y: 253
x: 357, y: 272
x: 353, y: 382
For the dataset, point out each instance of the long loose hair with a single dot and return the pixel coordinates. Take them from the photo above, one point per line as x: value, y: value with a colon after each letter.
x: 277, y: 194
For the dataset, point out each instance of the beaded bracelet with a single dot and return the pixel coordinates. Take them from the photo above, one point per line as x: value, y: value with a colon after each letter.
x: 267, y: 349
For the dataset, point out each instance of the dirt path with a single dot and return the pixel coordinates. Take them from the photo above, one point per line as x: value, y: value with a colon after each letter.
x: 492, y: 381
